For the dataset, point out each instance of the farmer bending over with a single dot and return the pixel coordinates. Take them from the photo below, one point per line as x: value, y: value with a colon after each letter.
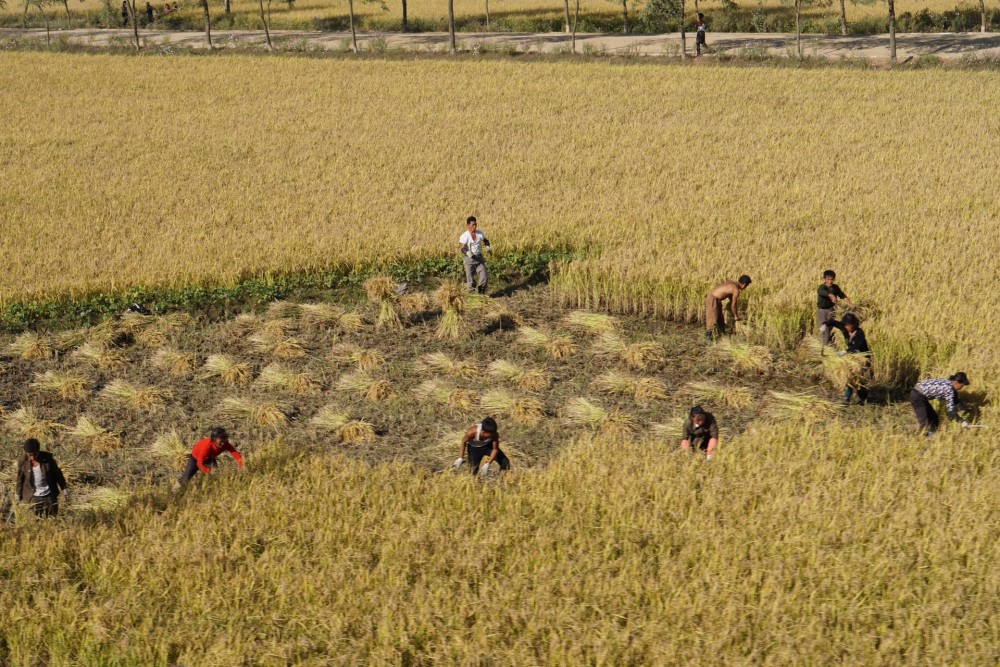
x: 715, y: 318
x: 940, y: 388
x: 702, y: 431
x: 204, y: 454
x: 39, y: 480
x: 829, y: 294
x: 480, y: 441
x: 472, y: 243
x: 854, y: 336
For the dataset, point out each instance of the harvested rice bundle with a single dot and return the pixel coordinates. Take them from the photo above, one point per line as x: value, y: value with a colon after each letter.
x: 135, y: 397
x: 347, y: 431
x: 414, y: 303
x: 591, y: 322
x: 743, y: 356
x: 439, y: 362
x: 32, y: 347
x: 265, y: 414
x: 276, y: 376
x: 642, y: 389
x: 226, y: 370
x: 708, y: 393
x: 100, y: 356
x: 582, y: 412
x: 555, y: 346
x: 805, y: 407
x: 283, y: 348
x: 174, y: 362
x: 25, y: 423
x: 437, y: 390
x: 66, y: 386
x: 451, y: 300
x: 503, y: 315
x: 366, y: 359
x: 528, y: 379
x: 522, y: 410
x: 369, y: 388
x: 172, y: 448
x: 97, y: 439
x: 636, y: 355
x: 282, y: 310
x: 382, y: 290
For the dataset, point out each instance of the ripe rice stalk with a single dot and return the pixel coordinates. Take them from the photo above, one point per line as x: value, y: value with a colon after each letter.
x: 282, y: 348
x: 414, y: 303
x: 330, y: 418
x: 67, y: 340
x: 135, y: 397
x: 503, y: 315
x: 591, y: 322
x: 638, y: 356
x: 840, y: 370
x: 743, y: 356
x: 282, y: 310
x: 671, y: 430
x: 584, y: 413
x: 450, y: 296
x: 276, y: 376
x: 380, y: 288
x: 96, y: 438
x: 459, y: 399
x: 528, y: 379
x: 171, y: 448
x: 555, y: 346
x: 713, y: 394
x: 100, y: 356
x: 366, y: 359
x: 100, y: 499
x: 451, y: 325
x: 642, y: 389
x: 319, y: 315
x: 105, y: 333
x: 174, y: 362
x: 363, y: 384
x: 439, y: 362
x: 356, y: 432
x: 226, y: 370
x: 388, y: 318
x: 264, y: 414
x: 527, y: 411
x: 66, y: 386
x: 806, y: 407
x: 25, y: 423
x: 276, y: 329
x: 31, y: 346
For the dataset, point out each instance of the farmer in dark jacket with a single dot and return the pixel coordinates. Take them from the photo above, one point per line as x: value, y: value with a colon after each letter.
x: 39, y: 480
x: 700, y: 431
x: 854, y: 337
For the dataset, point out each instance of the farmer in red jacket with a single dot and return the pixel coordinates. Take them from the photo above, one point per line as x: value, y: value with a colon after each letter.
x: 203, y: 456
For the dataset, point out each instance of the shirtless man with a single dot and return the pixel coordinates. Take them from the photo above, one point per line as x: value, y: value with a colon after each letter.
x: 715, y: 318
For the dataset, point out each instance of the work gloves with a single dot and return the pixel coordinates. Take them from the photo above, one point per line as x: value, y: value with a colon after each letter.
x: 965, y: 424
x: 485, y: 470
x: 458, y: 463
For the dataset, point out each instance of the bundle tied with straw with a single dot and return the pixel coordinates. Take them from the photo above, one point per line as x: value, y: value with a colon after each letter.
x: 382, y: 290
x: 451, y: 300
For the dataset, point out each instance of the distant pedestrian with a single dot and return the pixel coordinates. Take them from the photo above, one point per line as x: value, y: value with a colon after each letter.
x: 700, y: 37
x: 854, y: 337
x: 204, y: 454
x: 472, y: 243
x: 829, y: 295
x: 701, y: 431
x: 149, y: 13
x: 945, y: 389
x: 715, y: 317
x: 39, y: 480
x: 175, y: 6
x: 166, y: 8
x: 482, y: 441
x: 124, y: 13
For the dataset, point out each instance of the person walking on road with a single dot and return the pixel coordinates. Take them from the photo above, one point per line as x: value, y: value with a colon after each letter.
x: 829, y: 294
x: 482, y: 441
x: 472, y: 243
x: 699, y: 41
x: 945, y: 389
x: 854, y: 337
x: 205, y: 453
x: 39, y: 480
x: 701, y: 431
x: 149, y: 13
x: 124, y: 14
x: 715, y: 317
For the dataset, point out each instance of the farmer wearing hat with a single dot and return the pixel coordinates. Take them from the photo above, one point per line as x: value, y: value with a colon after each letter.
x: 39, y: 480
x: 854, y: 337
x: 700, y: 431
x: 945, y: 389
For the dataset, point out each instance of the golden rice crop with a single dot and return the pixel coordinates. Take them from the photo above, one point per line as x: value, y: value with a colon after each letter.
x: 96, y: 438
x: 809, y: 408
x: 347, y: 431
x: 99, y: 499
x: 32, y: 346
x: 527, y: 378
x: 25, y: 423
x: 582, y: 412
x: 282, y: 310
x: 361, y: 383
x: 522, y: 410
x: 366, y: 359
x: 642, y: 389
x: 67, y: 386
x: 226, y: 370
x: 100, y: 356
x: 635, y: 355
x: 439, y: 362
x: 590, y: 321
x: 265, y: 414
x: 320, y: 315
x: 277, y: 376
x: 841, y: 370
x: 413, y: 303
x: 442, y: 392
x: 556, y: 346
x: 710, y: 394
x: 135, y: 397
x: 451, y: 300
x: 173, y: 361
x: 743, y: 356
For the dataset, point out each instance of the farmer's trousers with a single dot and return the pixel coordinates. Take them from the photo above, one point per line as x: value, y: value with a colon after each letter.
x: 926, y: 415
x: 45, y: 505
x: 822, y: 315
x: 715, y: 319
x: 475, y: 268
x: 700, y: 42
x: 192, y: 469
x: 477, y: 454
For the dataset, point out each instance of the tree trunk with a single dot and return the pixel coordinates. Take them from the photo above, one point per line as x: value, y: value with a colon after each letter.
x: 452, y: 48
x: 843, y: 18
x: 405, y: 26
x: 69, y: 24
x: 354, y: 35
x: 48, y: 38
x: 487, y: 14
x: 576, y: 20
x: 267, y: 32
x: 798, y: 28
x: 684, y: 47
x: 625, y: 16
x: 208, y: 24
x: 566, y: 7
x: 24, y: 16
x: 229, y: 13
x: 892, y: 32
x: 982, y: 14
x: 135, y: 26
x: 696, y: 10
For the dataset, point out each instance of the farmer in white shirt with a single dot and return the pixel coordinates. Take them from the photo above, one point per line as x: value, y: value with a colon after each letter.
x: 472, y: 243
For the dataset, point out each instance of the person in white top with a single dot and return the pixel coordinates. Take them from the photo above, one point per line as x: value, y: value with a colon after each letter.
x: 39, y: 480
x: 482, y: 441
x: 471, y: 244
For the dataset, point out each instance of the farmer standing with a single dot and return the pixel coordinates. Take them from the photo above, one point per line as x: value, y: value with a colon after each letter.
x: 700, y: 35
x: 702, y: 431
x: 854, y: 337
x: 481, y: 441
x: 204, y: 454
x: 829, y: 294
x: 945, y: 389
x: 124, y: 14
x: 472, y: 243
x: 39, y: 480
x: 715, y: 318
